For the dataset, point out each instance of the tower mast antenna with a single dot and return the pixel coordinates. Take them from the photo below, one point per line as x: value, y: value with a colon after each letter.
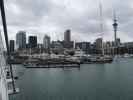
x: 115, y: 26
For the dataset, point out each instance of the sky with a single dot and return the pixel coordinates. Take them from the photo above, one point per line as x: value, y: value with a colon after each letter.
x: 53, y: 17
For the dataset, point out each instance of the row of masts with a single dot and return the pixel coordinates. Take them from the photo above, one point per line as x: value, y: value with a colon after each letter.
x: 115, y: 26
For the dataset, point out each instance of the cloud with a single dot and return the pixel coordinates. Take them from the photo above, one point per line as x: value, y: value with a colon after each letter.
x: 53, y: 17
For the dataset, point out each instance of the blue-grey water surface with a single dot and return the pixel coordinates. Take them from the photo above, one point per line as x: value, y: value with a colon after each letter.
x: 90, y: 82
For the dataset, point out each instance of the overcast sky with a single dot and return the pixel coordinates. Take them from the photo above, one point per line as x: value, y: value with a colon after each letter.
x: 53, y: 17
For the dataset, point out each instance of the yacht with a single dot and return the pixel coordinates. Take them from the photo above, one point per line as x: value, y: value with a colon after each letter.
x: 127, y: 55
x: 101, y: 59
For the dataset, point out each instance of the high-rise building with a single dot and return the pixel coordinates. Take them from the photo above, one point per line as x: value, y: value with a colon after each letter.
x: 21, y: 40
x: 57, y: 47
x: 67, y: 36
x: 99, y: 46
x: 118, y: 41
x: 12, y: 45
x: 32, y: 41
x: 67, y: 39
x: 56, y: 44
x: 85, y: 46
x: 99, y: 43
x: 46, y: 42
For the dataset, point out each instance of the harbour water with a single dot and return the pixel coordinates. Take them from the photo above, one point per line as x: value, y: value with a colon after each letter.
x: 90, y: 82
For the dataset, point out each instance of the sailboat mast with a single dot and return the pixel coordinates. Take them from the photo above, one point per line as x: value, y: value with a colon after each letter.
x: 101, y: 25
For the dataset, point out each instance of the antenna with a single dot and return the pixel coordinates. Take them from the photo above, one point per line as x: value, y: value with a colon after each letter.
x: 114, y: 15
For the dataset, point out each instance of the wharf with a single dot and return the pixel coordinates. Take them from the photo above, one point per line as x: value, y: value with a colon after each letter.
x: 52, y: 64
x: 55, y: 66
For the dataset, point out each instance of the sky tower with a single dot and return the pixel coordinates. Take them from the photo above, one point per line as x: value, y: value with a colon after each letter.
x: 115, y: 26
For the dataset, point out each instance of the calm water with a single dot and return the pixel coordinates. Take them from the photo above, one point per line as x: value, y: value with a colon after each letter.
x: 90, y: 82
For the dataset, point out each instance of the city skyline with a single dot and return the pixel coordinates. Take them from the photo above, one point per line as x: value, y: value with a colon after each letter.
x: 52, y: 17
x: 66, y: 50
x: 40, y: 40
x: 64, y: 37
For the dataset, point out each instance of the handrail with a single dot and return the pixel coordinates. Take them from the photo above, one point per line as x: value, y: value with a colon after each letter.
x: 6, y: 39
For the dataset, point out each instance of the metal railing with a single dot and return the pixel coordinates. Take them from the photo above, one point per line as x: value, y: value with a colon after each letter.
x: 3, y: 80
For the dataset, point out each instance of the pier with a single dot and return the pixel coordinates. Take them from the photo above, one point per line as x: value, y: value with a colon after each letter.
x: 56, y: 66
x: 51, y: 63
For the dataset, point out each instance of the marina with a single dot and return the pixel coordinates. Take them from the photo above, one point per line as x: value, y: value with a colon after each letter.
x: 91, y: 82
x: 47, y: 55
